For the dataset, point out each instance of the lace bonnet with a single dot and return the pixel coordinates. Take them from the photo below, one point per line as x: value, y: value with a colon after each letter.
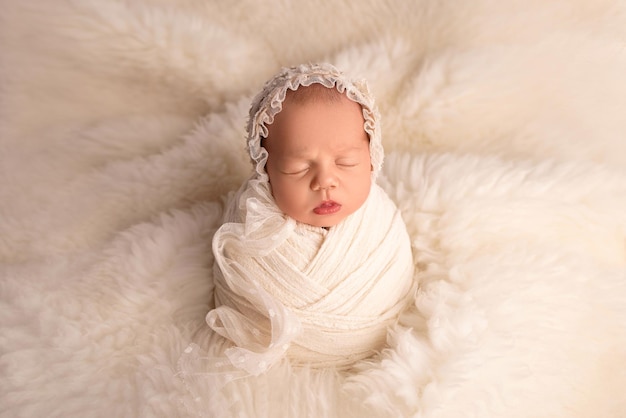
x: 269, y: 102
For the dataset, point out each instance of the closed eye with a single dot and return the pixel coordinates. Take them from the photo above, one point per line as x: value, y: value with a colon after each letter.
x: 295, y: 172
x: 347, y: 164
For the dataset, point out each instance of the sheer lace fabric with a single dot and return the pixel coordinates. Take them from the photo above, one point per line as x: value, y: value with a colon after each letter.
x: 320, y: 297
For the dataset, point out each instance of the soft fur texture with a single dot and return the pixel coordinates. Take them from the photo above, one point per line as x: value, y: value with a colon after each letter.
x: 122, y: 128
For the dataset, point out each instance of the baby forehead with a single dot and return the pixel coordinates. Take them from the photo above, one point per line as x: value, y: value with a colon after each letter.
x: 319, y: 94
x: 316, y: 110
x: 315, y: 99
x: 299, y: 146
x: 323, y: 111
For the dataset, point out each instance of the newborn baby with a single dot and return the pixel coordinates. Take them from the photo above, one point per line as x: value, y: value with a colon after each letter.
x: 313, y: 262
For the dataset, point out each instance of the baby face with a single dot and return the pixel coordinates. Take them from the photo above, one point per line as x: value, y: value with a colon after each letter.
x: 319, y: 160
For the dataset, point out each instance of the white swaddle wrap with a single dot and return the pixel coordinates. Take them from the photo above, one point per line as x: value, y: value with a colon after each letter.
x: 321, y: 297
x: 325, y: 297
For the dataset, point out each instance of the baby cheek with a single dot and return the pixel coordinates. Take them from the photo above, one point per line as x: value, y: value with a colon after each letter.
x: 284, y: 196
x: 366, y: 184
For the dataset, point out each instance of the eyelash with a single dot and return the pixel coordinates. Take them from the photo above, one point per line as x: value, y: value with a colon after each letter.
x: 294, y: 173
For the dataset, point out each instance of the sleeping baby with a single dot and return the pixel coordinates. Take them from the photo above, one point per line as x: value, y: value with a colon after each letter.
x: 313, y: 261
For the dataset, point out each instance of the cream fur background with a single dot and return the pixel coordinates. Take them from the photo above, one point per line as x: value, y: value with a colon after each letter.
x: 121, y: 127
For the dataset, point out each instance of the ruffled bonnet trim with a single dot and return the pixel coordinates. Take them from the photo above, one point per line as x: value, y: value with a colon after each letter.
x: 268, y: 103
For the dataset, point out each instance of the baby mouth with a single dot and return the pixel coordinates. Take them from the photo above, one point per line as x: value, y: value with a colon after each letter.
x: 326, y: 208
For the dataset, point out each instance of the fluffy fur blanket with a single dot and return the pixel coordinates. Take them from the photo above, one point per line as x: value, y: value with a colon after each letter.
x: 122, y: 128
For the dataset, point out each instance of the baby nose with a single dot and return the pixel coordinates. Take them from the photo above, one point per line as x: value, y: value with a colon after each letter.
x: 324, y: 180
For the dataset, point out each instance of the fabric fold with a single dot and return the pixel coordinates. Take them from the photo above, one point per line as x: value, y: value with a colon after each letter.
x: 319, y: 297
